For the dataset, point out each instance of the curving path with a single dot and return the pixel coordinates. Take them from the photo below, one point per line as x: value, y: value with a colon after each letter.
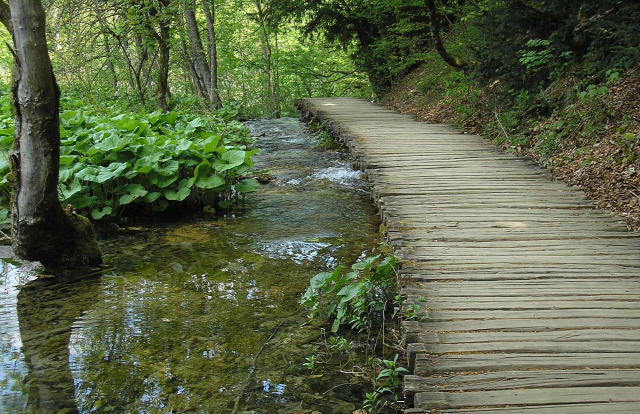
x: 528, y: 295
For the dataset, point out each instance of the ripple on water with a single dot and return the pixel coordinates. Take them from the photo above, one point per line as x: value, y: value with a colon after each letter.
x: 341, y: 174
x: 296, y: 250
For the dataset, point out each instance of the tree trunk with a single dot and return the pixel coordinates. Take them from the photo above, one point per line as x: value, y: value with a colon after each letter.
x: 197, y: 50
x: 437, y: 40
x: 163, y: 38
x: 195, y: 80
x: 138, y: 71
x: 210, y: 14
x: 274, y: 104
x: 110, y: 62
x: 41, y: 229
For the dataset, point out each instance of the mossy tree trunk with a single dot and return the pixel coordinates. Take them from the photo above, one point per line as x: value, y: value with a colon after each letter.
x: 41, y: 229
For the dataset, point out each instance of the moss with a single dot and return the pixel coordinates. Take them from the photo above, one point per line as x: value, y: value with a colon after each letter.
x: 86, y: 251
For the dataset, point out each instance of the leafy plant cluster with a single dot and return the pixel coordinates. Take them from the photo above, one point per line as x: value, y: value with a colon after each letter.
x: 143, y: 163
x: 358, y: 299
x: 388, y: 381
x: 355, y: 298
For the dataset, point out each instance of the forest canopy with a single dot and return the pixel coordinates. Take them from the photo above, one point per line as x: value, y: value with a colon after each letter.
x: 199, y: 54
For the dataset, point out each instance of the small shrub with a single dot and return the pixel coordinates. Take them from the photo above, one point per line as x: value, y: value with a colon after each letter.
x: 353, y: 298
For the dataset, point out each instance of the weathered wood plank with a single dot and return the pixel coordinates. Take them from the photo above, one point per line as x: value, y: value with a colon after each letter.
x: 557, y: 336
x: 523, y: 397
x: 582, y: 408
x: 505, y: 380
x: 428, y: 365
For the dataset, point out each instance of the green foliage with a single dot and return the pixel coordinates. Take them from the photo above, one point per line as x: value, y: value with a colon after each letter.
x: 390, y: 377
x: 144, y: 162
x: 325, y: 141
x: 547, y: 38
x: 353, y: 298
x: 311, y: 363
x: 412, y: 312
x: 388, y: 384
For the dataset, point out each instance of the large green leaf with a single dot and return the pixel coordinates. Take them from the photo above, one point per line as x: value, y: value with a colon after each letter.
x: 67, y: 159
x: 97, y: 213
x: 111, y: 142
x: 247, y: 186
x: 167, y: 168
x: 366, y: 263
x: 212, y: 181
x: 82, y: 201
x: 162, y: 181
x: 98, y: 174
x: 133, y: 191
x: 211, y: 144
x: 68, y: 172
x: 151, y: 197
x: 127, y: 124
x: 195, y: 123
x: 72, y: 189
x: 183, y: 191
x: 171, y: 117
x: 145, y: 165
x: 229, y: 160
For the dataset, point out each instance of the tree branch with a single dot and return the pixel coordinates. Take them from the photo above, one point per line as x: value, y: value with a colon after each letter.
x: 437, y: 40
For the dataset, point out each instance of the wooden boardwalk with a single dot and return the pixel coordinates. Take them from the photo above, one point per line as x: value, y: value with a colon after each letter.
x: 529, y: 295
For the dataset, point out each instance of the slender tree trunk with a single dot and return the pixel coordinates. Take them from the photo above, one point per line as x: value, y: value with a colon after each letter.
x: 110, y: 63
x: 197, y: 50
x: 195, y: 80
x: 210, y: 14
x: 41, y: 229
x: 137, y: 74
x: 274, y: 104
x: 163, y: 37
x: 434, y: 22
x: 162, y: 97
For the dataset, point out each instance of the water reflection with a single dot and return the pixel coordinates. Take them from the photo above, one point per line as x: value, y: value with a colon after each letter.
x: 200, y: 316
x: 47, y: 309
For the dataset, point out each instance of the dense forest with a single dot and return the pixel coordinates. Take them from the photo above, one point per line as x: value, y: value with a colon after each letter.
x: 552, y: 79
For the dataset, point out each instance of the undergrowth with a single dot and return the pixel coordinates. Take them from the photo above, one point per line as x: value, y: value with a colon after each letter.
x: 115, y: 164
x: 360, y: 300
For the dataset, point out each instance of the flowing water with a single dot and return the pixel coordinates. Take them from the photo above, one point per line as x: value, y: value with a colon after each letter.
x: 196, y: 316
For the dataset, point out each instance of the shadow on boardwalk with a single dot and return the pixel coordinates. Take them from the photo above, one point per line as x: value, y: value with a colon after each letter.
x: 529, y: 295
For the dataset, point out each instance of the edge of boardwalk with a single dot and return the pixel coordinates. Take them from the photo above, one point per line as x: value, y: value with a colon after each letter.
x: 539, y: 319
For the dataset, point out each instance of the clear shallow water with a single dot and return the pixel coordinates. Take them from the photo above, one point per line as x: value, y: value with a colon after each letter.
x: 200, y: 316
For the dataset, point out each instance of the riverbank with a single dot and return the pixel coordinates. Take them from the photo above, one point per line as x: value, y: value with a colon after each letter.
x: 587, y: 136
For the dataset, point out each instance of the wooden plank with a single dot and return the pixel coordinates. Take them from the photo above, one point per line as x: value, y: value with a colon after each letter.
x: 523, y: 397
x: 428, y: 365
x: 533, y: 324
x: 550, y: 347
x: 582, y: 408
x: 419, y: 332
x: 437, y: 315
x: 424, y: 299
x: 505, y: 380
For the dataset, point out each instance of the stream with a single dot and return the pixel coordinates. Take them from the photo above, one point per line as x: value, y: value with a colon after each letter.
x: 198, y: 315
